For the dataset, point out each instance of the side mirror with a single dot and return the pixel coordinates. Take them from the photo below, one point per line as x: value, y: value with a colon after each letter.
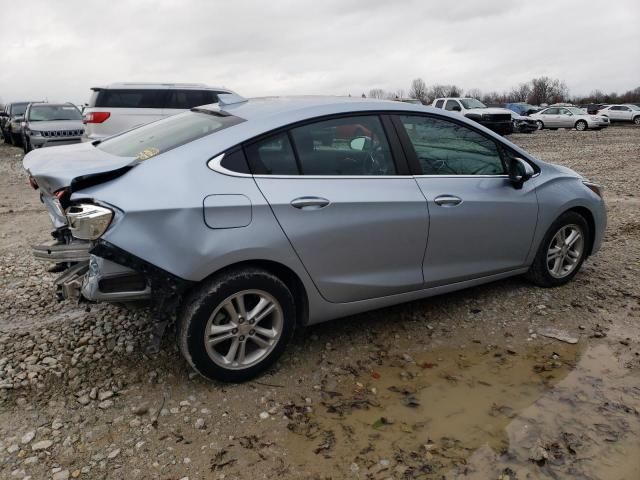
x: 358, y: 143
x: 520, y: 171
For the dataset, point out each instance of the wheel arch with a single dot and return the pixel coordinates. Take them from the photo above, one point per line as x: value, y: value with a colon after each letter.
x: 284, y: 273
x: 585, y: 213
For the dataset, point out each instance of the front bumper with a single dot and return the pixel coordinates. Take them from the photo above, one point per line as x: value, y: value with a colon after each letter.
x: 42, y: 142
x: 498, y: 127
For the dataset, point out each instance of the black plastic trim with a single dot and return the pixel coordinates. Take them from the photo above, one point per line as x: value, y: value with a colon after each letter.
x: 166, y: 288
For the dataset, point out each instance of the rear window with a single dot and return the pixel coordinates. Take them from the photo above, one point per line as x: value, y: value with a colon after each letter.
x: 158, y: 137
x: 187, y: 99
x: 129, y: 98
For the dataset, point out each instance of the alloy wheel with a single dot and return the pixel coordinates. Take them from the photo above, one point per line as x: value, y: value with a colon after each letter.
x: 540, y: 125
x: 581, y: 126
x: 565, y: 251
x: 244, y: 329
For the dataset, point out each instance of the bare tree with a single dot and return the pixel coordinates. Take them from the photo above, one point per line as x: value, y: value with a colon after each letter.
x: 547, y: 90
x: 437, y: 91
x: 418, y: 90
x: 473, y: 93
x: 397, y: 95
x: 377, y: 93
x: 520, y: 93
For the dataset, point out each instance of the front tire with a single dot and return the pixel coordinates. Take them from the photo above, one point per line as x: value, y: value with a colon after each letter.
x: 540, y: 125
x: 581, y: 125
x: 636, y: 120
x: 561, y: 252
x: 237, y: 324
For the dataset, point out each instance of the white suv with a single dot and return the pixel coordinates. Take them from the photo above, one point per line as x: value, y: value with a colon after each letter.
x: 622, y: 113
x: 121, y: 106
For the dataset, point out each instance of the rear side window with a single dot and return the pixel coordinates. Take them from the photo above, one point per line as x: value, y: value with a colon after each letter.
x: 158, y: 137
x: 272, y: 156
x: 344, y: 146
x: 130, y: 98
x: 439, y: 103
x: 448, y: 148
x: 187, y: 99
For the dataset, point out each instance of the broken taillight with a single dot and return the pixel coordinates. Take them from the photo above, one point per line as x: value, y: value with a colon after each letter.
x: 95, y: 117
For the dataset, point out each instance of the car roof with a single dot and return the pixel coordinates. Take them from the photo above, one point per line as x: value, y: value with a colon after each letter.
x: 293, y: 108
x: 158, y: 86
x: 52, y: 104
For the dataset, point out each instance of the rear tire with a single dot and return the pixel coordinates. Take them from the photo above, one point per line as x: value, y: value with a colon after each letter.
x: 557, y: 262
x: 540, y: 125
x: 226, y: 311
x: 581, y: 125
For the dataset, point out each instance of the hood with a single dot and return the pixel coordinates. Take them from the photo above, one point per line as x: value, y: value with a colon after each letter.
x: 492, y: 110
x: 58, y: 167
x: 56, y: 125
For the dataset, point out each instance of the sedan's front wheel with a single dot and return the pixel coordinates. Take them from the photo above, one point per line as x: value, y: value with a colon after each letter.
x: 581, y: 125
x: 561, y: 252
x: 237, y: 325
x: 540, y: 125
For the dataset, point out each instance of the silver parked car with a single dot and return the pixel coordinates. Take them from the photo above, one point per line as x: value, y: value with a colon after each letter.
x: 568, y: 117
x: 247, y: 218
x: 51, y: 124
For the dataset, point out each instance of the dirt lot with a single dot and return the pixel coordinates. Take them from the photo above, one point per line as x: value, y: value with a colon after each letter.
x: 459, y: 386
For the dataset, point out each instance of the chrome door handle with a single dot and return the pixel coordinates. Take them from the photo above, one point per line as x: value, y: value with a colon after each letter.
x: 447, y: 200
x: 309, y: 203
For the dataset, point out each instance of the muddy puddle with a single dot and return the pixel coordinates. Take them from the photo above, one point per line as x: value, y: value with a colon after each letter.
x: 551, y: 411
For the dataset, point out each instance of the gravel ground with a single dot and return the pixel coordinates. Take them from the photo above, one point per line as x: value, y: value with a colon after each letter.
x: 361, y: 397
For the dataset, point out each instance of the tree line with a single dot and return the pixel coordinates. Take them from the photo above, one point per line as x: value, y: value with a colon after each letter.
x: 537, y: 91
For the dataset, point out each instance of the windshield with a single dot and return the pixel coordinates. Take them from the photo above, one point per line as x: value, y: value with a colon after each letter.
x: 158, y: 137
x: 576, y: 111
x: 18, y: 108
x: 469, y: 103
x: 49, y: 113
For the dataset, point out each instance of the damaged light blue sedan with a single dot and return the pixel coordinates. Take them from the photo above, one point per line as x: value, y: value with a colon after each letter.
x: 245, y: 219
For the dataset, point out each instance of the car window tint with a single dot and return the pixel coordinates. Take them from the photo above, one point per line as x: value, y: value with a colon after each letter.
x: 112, y: 98
x: 439, y: 103
x: 448, y: 148
x: 186, y: 99
x: 272, y: 156
x: 344, y: 146
x: 451, y: 105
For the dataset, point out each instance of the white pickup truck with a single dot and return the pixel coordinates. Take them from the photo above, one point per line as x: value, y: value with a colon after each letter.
x: 497, y: 119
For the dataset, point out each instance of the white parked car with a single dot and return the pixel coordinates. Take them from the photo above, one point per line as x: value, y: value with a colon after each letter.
x: 568, y: 117
x: 497, y: 119
x: 622, y: 113
x: 121, y: 106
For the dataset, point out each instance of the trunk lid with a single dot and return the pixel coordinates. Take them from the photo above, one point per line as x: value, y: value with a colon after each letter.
x: 70, y: 165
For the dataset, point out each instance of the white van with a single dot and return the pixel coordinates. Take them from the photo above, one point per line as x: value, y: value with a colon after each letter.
x: 121, y: 106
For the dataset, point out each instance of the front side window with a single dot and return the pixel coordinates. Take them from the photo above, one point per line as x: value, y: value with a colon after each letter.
x: 158, y: 137
x: 344, y: 146
x: 49, y: 113
x: 452, y: 105
x: 272, y: 156
x: 447, y: 148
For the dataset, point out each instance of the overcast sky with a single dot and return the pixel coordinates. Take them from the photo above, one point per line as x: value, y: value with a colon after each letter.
x: 59, y: 49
